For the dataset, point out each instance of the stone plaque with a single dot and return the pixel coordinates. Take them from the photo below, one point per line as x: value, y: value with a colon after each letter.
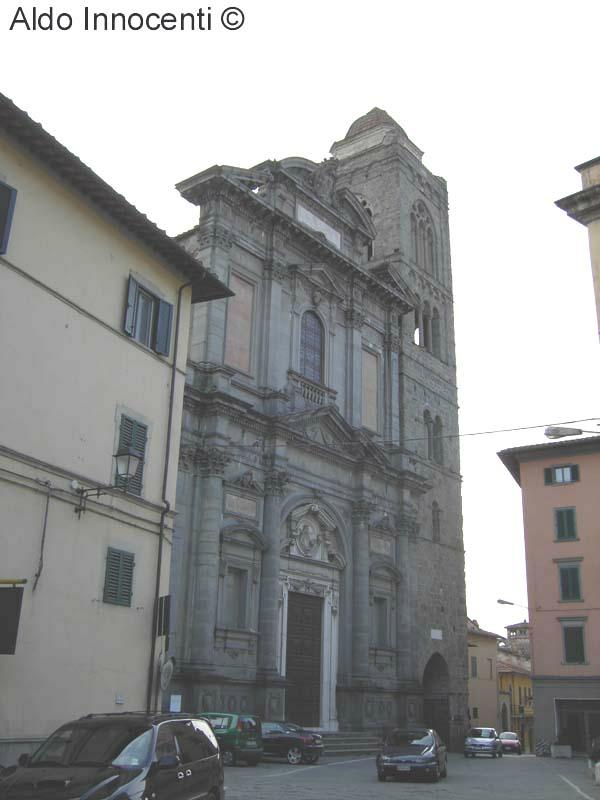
x: 381, y: 545
x: 436, y: 633
x: 243, y: 506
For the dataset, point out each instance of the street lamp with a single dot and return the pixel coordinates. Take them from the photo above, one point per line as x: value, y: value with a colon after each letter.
x: 510, y: 603
x: 127, y: 461
x: 559, y: 432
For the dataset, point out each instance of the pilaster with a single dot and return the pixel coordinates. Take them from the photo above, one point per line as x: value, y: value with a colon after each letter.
x: 361, y: 511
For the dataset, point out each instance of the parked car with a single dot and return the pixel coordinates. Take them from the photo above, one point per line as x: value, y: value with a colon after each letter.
x: 239, y: 736
x: 290, y: 741
x: 510, y: 742
x: 483, y: 741
x: 124, y: 756
x: 413, y: 752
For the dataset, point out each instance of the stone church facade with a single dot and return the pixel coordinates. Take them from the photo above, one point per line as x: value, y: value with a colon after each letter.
x: 318, y: 570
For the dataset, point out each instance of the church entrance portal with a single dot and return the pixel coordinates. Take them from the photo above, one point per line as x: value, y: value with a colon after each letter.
x: 436, y: 710
x: 303, y: 659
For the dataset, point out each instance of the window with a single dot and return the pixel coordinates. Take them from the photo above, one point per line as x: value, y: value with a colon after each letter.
x: 370, y: 390
x: 147, y: 318
x: 475, y: 714
x: 236, y: 582
x: 118, y: 580
x: 428, y: 422
x: 435, y: 521
x: 473, y: 666
x: 564, y: 523
x: 422, y: 238
x: 573, y: 642
x: 132, y: 434
x: 380, y: 621
x: 566, y: 474
x: 491, y: 668
x: 438, y: 448
x: 8, y: 197
x: 569, y: 581
x: 436, y: 334
x: 311, y: 347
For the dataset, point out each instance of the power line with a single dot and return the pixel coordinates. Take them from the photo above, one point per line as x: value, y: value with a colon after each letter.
x: 392, y: 443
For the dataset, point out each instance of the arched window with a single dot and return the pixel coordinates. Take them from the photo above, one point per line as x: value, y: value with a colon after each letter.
x: 426, y: 323
x: 436, y: 334
x: 311, y: 347
x: 423, y: 238
x: 428, y: 422
x: 435, y: 521
x: 438, y: 450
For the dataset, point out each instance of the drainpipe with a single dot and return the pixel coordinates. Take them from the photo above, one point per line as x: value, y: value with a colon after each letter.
x: 166, y: 505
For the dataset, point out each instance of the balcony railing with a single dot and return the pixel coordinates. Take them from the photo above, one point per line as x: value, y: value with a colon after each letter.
x: 312, y: 393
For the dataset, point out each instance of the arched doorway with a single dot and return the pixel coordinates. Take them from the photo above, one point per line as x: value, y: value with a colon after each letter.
x: 436, y: 710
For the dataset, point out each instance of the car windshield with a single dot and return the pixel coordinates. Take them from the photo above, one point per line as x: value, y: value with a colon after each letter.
x: 219, y: 723
x: 96, y: 746
x: 407, y: 738
x: 508, y: 736
x: 482, y: 733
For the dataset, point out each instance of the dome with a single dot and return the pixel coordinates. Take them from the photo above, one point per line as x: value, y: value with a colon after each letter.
x: 376, y: 118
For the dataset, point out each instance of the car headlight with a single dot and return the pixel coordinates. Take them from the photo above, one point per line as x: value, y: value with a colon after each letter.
x: 385, y: 759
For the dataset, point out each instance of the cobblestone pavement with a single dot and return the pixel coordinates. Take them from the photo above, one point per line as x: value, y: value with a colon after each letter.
x: 514, y: 777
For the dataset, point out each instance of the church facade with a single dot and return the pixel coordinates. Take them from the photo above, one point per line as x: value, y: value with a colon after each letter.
x: 318, y: 570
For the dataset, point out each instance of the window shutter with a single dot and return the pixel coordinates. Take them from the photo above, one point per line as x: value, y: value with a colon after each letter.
x: 570, y: 530
x: 548, y: 476
x: 8, y: 197
x: 163, y: 328
x: 575, y: 472
x: 560, y: 523
x: 133, y: 434
x: 118, y: 580
x: 129, y: 321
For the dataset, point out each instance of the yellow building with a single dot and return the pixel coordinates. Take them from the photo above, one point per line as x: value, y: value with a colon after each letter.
x: 483, y: 683
x: 516, y: 697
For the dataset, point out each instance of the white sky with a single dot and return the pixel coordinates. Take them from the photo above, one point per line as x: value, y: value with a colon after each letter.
x: 503, y: 99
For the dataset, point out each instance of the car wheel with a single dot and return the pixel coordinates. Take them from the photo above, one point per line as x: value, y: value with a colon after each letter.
x: 310, y: 759
x: 466, y: 755
x: 228, y: 758
x: 294, y: 755
x: 436, y: 774
x: 444, y: 772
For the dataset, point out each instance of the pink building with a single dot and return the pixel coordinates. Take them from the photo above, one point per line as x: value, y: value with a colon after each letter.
x: 560, y: 484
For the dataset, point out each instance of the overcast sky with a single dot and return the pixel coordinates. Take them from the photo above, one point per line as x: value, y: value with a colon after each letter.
x: 503, y: 99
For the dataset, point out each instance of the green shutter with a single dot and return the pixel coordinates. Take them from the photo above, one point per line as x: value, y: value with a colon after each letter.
x: 129, y: 321
x: 163, y: 328
x: 548, y: 476
x: 569, y: 583
x: 133, y: 434
x: 575, y: 472
x: 574, y: 651
x: 565, y: 523
x: 118, y: 580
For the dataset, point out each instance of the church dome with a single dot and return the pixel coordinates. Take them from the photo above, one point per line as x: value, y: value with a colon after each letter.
x: 376, y: 118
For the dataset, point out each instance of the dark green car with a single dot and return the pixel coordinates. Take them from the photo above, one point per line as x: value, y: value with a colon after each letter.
x: 239, y: 737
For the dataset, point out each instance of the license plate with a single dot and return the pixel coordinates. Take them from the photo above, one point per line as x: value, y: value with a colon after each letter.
x: 251, y: 741
x: 403, y: 768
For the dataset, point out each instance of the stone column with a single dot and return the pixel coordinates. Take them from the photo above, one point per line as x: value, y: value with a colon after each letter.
x: 391, y: 346
x: 204, y: 567
x: 361, y: 511
x: 275, y: 481
x: 407, y: 528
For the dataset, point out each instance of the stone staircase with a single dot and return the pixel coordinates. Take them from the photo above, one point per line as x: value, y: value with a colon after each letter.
x: 350, y: 743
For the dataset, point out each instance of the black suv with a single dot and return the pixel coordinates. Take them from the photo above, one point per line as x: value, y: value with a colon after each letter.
x: 122, y: 757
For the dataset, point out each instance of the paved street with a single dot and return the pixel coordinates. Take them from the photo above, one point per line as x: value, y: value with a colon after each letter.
x: 468, y: 779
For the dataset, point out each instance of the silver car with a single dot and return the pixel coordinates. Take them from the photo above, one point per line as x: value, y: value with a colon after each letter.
x: 483, y: 741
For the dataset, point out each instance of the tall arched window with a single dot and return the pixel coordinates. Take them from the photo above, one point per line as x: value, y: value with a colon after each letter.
x: 435, y: 521
x: 438, y: 449
x: 426, y: 322
x: 311, y: 347
x: 428, y: 422
x: 436, y: 334
x: 423, y: 238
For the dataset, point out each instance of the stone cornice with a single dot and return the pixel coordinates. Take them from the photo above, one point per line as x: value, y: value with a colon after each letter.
x: 583, y: 206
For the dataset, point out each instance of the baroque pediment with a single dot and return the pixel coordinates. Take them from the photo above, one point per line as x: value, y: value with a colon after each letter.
x: 327, y: 428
